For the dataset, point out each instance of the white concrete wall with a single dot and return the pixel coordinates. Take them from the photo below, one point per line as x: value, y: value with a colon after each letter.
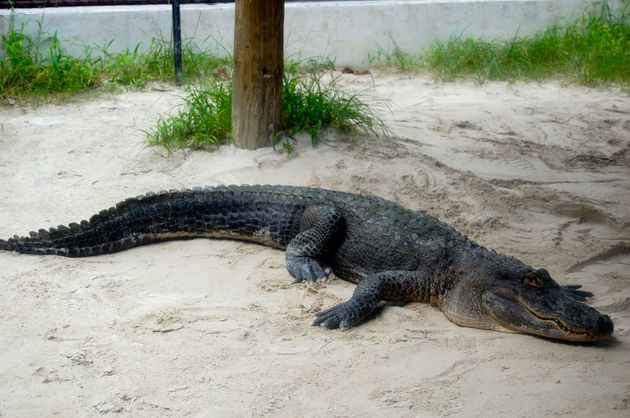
x: 344, y: 31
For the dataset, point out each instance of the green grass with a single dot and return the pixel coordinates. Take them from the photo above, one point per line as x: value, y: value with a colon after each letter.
x: 398, y: 60
x: 590, y: 50
x: 24, y: 71
x: 204, y: 122
x: 29, y: 68
x: 312, y: 101
x: 134, y: 68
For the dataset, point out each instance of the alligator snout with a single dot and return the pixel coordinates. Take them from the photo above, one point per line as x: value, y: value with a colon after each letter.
x: 605, y: 326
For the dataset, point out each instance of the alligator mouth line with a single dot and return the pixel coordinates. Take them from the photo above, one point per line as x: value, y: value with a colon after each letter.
x: 560, y: 324
x: 551, y: 322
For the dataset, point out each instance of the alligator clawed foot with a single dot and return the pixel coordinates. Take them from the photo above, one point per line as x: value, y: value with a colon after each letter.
x: 307, y: 269
x: 335, y: 317
x: 345, y: 315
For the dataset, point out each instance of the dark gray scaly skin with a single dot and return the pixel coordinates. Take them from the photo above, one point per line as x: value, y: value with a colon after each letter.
x: 392, y: 253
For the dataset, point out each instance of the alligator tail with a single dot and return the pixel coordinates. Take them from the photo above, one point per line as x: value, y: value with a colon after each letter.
x: 244, y: 213
x: 5, y: 246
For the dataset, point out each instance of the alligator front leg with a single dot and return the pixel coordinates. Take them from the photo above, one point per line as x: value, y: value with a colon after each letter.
x: 579, y: 295
x: 391, y: 286
x: 320, y: 227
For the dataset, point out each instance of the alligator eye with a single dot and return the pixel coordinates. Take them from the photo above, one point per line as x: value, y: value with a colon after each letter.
x: 533, y: 280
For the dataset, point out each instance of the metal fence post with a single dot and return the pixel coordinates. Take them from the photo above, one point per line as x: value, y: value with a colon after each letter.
x: 177, y: 41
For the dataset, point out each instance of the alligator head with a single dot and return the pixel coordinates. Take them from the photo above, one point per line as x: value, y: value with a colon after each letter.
x: 527, y: 301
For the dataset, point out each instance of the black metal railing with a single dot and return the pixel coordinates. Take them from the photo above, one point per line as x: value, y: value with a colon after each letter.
x: 23, y: 4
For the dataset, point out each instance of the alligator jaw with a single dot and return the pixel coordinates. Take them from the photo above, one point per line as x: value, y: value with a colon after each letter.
x: 511, y: 312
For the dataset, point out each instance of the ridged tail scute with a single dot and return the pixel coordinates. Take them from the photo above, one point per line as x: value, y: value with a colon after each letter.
x: 74, y: 240
x: 5, y: 246
x: 225, y: 211
x: 133, y: 222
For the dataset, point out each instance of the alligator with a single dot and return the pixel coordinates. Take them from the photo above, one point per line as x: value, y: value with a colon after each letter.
x: 393, y: 254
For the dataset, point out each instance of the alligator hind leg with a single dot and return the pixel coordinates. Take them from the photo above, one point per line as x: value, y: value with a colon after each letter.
x: 319, y: 227
x: 391, y: 286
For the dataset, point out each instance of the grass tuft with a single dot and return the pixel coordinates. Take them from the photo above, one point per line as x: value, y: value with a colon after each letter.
x: 28, y: 69
x: 312, y: 101
x: 590, y: 50
x: 133, y: 68
x: 25, y: 70
x: 205, y: 121
x: 397, y: 59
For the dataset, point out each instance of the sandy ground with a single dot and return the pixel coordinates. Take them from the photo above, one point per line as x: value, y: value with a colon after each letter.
x: 214, y: 328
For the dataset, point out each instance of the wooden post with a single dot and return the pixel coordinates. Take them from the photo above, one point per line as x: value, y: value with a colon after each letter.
x: 257, y: 83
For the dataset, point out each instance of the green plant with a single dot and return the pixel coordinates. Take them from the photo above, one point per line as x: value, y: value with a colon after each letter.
x: 28, y: 68
x: 396, y: 58
x: 25, y: 69
x: 592, y: 49
x: 312, y: 101
x: 204, y: 122
x: 136, y: 67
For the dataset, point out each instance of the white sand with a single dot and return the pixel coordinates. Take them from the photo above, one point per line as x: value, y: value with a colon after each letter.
x: 214, y: 328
